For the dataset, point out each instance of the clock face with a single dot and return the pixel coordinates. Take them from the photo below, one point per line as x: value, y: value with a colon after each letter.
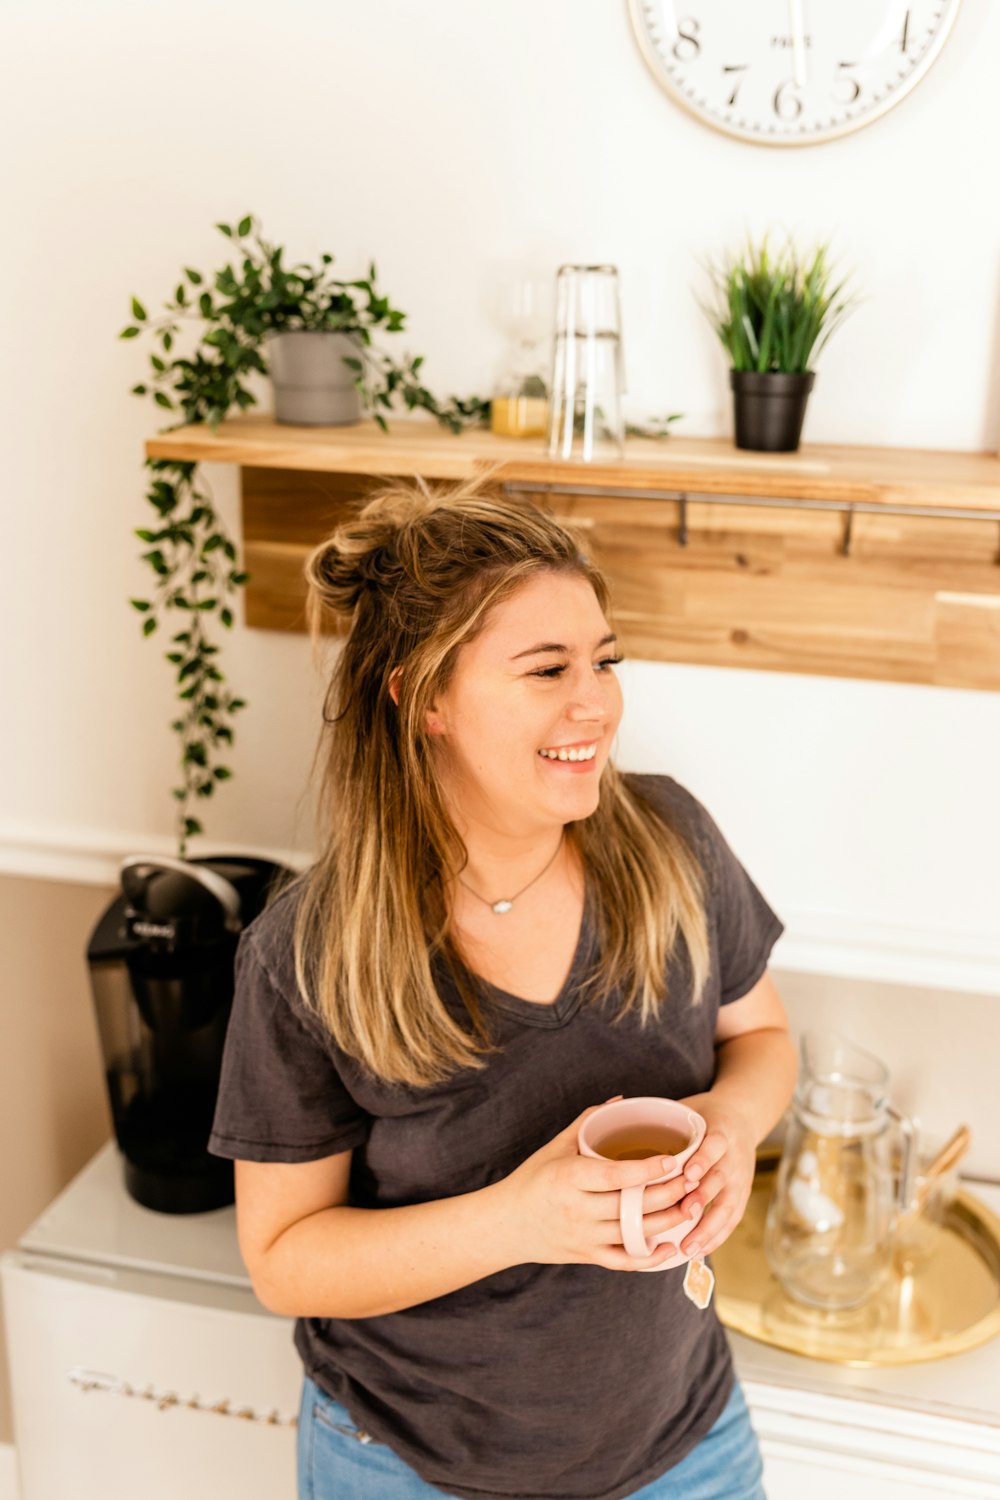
x: 790, y: 72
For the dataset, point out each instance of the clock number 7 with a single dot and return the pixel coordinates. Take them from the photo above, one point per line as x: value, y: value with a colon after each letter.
x: 735, y: 68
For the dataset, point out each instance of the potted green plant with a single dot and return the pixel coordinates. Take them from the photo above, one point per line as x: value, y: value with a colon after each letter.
x: 247, y: 317
x: 773, y: 312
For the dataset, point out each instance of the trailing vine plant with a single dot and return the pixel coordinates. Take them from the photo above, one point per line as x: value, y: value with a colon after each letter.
x: 193, y: 558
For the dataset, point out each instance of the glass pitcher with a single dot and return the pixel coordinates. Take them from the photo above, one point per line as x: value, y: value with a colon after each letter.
x: 585, y: 410
x: 838, y: 1192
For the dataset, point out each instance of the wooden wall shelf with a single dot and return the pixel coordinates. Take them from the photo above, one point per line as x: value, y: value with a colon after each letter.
x: 843, y: 561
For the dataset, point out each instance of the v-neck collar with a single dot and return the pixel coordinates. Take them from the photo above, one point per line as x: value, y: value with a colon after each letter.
x: 567, y: 1002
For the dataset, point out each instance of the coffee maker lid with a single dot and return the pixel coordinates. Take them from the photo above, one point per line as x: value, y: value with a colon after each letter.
x: 138, y: 869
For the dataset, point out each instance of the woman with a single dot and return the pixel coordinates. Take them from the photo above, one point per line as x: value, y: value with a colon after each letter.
x: 501, y: 931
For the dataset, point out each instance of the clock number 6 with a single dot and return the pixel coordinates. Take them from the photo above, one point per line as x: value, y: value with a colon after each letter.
x: 780, y: 96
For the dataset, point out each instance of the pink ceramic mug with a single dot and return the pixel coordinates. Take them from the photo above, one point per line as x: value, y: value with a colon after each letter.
x: 619, y: 1126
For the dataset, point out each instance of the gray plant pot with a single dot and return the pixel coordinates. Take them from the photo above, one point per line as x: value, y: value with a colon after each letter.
x: 312, y: 385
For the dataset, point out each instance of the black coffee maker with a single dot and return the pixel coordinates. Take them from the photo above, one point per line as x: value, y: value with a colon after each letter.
x: 161, y: 966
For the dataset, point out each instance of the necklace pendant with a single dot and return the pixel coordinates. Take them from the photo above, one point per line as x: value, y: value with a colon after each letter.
x: 501, y: 906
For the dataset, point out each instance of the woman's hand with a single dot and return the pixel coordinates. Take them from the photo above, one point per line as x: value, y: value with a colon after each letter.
x: 561, y: 1208
x: 718, y: 1177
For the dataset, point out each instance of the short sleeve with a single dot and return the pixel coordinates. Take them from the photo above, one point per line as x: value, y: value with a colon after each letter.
x: 746, y: 926
x: 280, y: 1097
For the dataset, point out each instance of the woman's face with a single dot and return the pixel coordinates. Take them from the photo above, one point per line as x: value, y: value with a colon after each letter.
x: 536, y: 687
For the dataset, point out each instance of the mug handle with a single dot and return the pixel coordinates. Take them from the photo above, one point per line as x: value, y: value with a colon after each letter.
x: 633, y: 1238
x: 635, y: 1241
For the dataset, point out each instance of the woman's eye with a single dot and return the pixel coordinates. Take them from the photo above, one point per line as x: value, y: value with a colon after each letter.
x: 601, y: 666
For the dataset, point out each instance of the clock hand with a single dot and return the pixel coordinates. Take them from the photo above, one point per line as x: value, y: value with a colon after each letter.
x: 798, y: 42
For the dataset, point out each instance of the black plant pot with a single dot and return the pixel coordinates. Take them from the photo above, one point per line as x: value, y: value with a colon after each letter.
x: 769, y: 409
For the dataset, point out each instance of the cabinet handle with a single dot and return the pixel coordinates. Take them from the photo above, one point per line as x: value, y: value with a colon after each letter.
x: 114, y: 1385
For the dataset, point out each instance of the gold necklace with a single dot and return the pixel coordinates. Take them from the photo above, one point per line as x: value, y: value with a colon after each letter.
x: 506, y: 902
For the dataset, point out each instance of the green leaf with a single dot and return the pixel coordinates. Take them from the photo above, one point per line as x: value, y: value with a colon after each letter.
x: 129, y: 333
x: 205, y: 304
x: 245, y: 226
x: 221, y: 774
x: 140, y: 604
x: 138, y: 311
x: 191, y: 825
x: 168, y: 341
x: 138, y: 390
x: 195, y: 277
x: 226, y: 616
x: 162, y: 399
x: 148, y: 626
x: 157, y: 363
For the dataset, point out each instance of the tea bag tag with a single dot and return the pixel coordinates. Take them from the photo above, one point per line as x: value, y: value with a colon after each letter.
x: 699, y: 1282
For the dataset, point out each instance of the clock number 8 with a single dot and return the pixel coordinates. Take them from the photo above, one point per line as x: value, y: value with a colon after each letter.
x: 691, y: 51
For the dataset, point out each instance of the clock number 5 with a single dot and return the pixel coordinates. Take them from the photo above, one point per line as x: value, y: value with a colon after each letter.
x: 852, y: 81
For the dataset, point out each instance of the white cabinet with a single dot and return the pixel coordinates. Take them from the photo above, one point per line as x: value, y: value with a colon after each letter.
x: 191, y: 1348
x: 823, y: 1447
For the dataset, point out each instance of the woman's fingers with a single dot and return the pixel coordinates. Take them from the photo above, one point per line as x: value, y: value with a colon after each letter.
x: 711, y: 1150
x: 595, y: 1175
x: 713, y: 1228
x: 657, y: 1196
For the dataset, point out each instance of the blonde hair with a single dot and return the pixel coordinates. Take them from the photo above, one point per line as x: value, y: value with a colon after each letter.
x: 416, y: 574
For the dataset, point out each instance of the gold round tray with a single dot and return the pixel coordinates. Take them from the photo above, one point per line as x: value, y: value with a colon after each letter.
x: 942, y: 1299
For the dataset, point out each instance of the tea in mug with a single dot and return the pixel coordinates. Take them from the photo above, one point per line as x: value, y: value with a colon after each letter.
x: 635, y: 1142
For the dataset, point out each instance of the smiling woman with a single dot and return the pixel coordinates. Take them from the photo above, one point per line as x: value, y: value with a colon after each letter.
x: 499, y: 931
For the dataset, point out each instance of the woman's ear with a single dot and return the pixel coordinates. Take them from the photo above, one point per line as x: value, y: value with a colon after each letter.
x: 433, y: 722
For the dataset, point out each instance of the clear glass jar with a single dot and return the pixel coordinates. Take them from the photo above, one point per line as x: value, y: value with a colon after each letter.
x: 520, y: 404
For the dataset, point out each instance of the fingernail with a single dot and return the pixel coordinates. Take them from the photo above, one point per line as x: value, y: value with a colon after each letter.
x: 692, y: 1250
x: 692, y: 1174
x: 614, y: 1098
x: 668, y: 1163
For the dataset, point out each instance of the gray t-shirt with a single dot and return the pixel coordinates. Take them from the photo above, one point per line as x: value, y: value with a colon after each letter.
x: 542, y: 1382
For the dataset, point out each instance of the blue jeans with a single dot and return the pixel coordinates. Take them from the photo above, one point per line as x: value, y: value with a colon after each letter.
x: 337, y: 1462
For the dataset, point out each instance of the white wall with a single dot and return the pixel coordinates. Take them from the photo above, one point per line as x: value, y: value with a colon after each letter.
x: 452, y: 141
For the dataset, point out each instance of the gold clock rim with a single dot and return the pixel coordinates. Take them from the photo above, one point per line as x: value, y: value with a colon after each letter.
x: 651, y: 59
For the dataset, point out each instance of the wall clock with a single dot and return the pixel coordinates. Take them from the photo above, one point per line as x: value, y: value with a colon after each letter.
x: 790, y: 72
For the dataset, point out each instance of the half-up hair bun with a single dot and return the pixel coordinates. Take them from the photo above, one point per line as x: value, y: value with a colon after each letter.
x: 364, y: 553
